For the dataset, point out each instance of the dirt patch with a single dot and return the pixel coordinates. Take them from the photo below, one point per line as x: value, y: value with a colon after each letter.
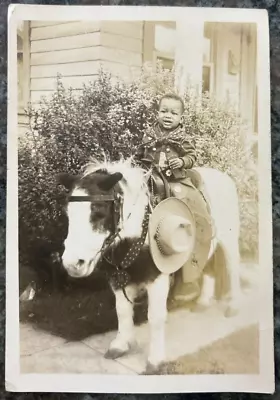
x: 238, y: 353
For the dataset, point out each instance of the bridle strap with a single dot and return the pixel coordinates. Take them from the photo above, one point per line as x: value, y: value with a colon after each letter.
x: 114, y: 198
x: 95, y: 198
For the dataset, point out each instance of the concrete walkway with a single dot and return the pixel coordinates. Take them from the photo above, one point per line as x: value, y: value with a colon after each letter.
x: 186, y: 333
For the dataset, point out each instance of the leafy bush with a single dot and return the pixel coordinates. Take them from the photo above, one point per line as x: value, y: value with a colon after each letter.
x: 111, y: 117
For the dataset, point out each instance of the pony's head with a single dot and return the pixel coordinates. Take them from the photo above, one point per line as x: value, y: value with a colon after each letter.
x: 107, y: 198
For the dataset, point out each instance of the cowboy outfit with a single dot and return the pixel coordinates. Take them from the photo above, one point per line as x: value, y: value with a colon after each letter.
x: 159, y: 147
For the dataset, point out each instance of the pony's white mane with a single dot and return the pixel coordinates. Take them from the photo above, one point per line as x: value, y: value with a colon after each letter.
x: 134, y: 188
x: 134, y: 176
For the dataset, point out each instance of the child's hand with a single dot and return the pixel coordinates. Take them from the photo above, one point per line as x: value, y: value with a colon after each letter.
x: 176, y: 163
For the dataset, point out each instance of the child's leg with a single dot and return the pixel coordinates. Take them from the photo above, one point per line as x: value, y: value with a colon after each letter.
x: 188, y: 283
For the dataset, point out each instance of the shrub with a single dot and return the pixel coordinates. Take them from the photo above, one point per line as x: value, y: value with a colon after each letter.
x: 111, y: 117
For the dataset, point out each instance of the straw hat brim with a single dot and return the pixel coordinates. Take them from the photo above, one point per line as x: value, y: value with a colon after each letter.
x: 171, y: 263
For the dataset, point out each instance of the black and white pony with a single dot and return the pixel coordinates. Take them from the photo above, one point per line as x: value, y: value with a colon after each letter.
x: 106, y: 209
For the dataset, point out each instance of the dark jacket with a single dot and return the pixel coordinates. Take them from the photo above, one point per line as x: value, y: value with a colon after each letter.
x: 158, y: 148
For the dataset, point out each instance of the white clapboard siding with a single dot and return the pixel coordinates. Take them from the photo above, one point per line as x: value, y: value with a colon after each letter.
x: 62, y: 30
x: 36, y: 24
x: 130, y: 29
x: 86, y: 54
x: 121, y: 42
x: 65, y: 43
x: 65, y: 56
x: 121, y: 70
x: 36, y: 96
x: 23, y: 124
x: 75, y: 82
x: 121, y: 56
x: 77, y: 50
x: 71, y: 69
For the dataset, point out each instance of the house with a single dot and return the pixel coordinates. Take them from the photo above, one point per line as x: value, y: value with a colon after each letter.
x: 217, y: 57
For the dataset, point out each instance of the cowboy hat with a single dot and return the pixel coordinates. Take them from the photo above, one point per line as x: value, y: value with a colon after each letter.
x: 171, y: 235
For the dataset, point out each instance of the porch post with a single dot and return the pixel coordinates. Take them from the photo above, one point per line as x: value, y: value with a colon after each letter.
x: 189, y: 55
x: 248, y: 75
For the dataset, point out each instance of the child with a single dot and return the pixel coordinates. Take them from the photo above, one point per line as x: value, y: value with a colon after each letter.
x: 165, y: 145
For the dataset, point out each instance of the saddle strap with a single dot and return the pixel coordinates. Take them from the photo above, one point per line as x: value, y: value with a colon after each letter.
x: 136, y: 247
x: 119, y: 277
x: 165, y: 183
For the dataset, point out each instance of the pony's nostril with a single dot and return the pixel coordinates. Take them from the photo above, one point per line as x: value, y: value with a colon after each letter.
x: 80, y: 262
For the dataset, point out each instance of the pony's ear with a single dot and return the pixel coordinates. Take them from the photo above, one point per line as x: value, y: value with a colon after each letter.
x: 66, y: 180
x: 110, y: 181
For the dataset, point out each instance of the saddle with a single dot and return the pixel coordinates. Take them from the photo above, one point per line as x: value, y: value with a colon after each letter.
x: 191, y: 191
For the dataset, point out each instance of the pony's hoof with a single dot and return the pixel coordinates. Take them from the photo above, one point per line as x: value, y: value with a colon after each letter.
x: 118, y: 351
x: 112, y: 354
x: 152, y: 369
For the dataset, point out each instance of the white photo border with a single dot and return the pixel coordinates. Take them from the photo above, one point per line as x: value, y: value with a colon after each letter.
x: 260, y: 383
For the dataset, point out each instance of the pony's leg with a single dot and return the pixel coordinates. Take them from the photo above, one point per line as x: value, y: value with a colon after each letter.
x: 223, y: 273
x: 125, y: 337
x: 207, y: 292
x: 232, y: 265
x: 157, y: 314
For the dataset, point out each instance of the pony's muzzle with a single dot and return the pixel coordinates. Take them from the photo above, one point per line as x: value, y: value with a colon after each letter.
x: 80, y: 263
x: 73, y: 265
x: 77, y: 267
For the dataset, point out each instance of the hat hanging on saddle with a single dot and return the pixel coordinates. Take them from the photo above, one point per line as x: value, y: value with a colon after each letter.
x: 171, y: 235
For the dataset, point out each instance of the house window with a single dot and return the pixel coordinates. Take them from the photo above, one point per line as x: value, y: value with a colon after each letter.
x: 23, y: 63
x: 166, y: 60
x: 165, y: 39
x: 207, y: 77
x: 159, y: 43
x: 164, y: 51
x: 167, y: 63
x: 208, y: 56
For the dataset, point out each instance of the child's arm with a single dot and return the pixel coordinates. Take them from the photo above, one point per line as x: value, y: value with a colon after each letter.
x: 189, y: 157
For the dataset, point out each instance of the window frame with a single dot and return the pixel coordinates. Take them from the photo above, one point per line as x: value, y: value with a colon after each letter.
x: 209, y: 65
x: 150, y: 54
x: 159, y: 54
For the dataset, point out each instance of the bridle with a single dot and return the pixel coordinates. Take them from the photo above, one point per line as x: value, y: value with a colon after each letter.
x: 120, y: 275
x: 115, y: 198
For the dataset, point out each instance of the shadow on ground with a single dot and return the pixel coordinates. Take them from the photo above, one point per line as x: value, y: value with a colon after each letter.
x: 76, y: 313
x: 78, y: 309
x: 75, y: 309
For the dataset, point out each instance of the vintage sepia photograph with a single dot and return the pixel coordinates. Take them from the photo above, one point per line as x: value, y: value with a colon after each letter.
x: 138, y: 198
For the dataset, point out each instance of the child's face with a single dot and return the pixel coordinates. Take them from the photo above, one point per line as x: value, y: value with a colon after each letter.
x: 170, y: 114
